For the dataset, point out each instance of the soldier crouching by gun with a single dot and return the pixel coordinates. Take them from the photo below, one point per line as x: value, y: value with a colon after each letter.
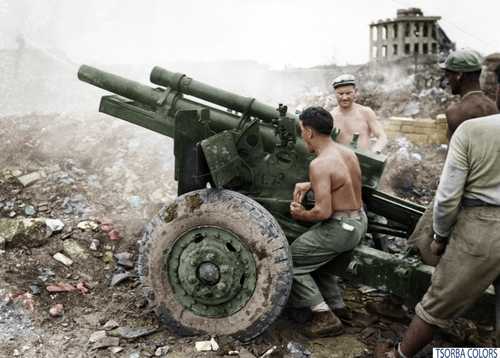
x: 335, y: 179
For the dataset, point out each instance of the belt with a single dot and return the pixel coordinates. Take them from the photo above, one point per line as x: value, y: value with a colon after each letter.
x: 350, y: 214
x: 472, y: 203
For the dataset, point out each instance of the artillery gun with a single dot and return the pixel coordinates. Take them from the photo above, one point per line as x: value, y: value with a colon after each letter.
x: 216, y: 260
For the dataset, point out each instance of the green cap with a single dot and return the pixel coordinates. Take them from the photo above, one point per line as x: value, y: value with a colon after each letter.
x: 465, y: 60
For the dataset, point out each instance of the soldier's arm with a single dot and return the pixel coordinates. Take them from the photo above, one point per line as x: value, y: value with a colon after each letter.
x: 454, y: 117
x: 451, y: 185
x: 321, y: 186
x: 300, y: 190
x: 376, y: 130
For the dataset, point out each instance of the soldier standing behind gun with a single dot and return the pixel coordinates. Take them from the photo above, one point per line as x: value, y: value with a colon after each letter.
x: 335, y: 179
x: 351, y: 117
x: 462, y: 71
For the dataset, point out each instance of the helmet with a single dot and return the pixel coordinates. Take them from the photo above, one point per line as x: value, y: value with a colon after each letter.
x: 465, y: 60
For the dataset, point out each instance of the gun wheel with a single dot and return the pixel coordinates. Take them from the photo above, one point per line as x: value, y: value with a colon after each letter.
x: 215, y: 262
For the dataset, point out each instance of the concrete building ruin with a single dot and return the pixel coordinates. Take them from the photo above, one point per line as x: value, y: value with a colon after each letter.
x: 410, y: 34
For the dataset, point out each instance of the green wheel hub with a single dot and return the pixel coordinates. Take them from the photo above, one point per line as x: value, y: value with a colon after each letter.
x: 212, y: 272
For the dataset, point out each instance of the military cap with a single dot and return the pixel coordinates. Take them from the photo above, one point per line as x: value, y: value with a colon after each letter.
x: 465, y: 60
x: 344, y: 80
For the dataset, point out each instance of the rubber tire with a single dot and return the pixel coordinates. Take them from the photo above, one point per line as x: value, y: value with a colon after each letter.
x: 255, y: 227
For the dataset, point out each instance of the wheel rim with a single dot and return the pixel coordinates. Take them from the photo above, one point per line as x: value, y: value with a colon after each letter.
x: 212, y: 272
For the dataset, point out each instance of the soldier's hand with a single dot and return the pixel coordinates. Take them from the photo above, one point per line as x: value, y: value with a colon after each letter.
x: 300, y: 190
x: 295, y: 209
x: 438, y: 248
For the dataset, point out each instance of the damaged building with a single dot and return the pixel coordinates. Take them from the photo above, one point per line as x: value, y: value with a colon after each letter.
x: 409, y: 34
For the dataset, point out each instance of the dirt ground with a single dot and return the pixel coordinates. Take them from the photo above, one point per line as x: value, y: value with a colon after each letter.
x: 104, y: 179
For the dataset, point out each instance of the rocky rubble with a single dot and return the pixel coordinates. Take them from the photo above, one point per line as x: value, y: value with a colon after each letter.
x: 393, y: 90
x: 412, y: 172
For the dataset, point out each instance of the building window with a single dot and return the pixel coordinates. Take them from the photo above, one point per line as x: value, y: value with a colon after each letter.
x: 384, y: 51
x: 384, y: 32
x: 434, y: 48
x: 434, y: 32
x: 425, y: 30
x: 374, y: 51
x: 407, y: 29
x: 374, y: 33
x: 425, y: 49
x: 415, y: 49
x: 416, y: 32
x: 395, y: 31
x: 395, y: 50
x: 407, y: 49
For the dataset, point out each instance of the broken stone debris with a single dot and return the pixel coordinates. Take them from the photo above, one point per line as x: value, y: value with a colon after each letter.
x: 106, y: 227
x: 56, y: 310
x: 75, y: 250
x: 23, y: 232
x: 26, y: 299
x: 269, y: 352
x: 66, y: 287
x: 132, y: 333
x: 60, y: 287
x: 94, y: 245
x: 106, y: 342
x: 35, y: 289
x: 215, y: 346
x: 125, y: 259
x: 297, y: 350
x: 66, y: 261
x: 29, y: 210
x: 88, y: 225
x: 115, y: 350
x: 82, y: 287
x: 97, y: 336
x: 55, y: 225
x: 207, y: 346
x: 111, y: 324
x: 119, y: 278
x: 162, y: 351
x: 28, y: 179
x: 114, y: 235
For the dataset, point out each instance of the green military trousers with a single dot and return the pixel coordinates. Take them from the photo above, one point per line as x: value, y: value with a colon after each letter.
x: 313, y: 253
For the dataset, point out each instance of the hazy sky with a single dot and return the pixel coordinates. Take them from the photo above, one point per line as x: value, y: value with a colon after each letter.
x: 274, y: 32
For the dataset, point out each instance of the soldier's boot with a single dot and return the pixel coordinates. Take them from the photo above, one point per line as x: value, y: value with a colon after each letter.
x: 323, y: 324
x: 343, y: 313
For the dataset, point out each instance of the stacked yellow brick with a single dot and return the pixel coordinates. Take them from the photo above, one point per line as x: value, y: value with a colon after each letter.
x: 418, y: 131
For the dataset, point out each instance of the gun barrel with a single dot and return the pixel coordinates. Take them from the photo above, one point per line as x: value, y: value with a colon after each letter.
x: 187, y: 85
x: 119, y: 85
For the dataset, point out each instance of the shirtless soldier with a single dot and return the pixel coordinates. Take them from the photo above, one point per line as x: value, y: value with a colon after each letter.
x: 462, y: 70
x: 351, y: 117
x: 335, y: 179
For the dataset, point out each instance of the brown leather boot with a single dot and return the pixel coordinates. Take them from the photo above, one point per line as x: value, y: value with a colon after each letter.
x: 343, y: 313
x: 323, y: 324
